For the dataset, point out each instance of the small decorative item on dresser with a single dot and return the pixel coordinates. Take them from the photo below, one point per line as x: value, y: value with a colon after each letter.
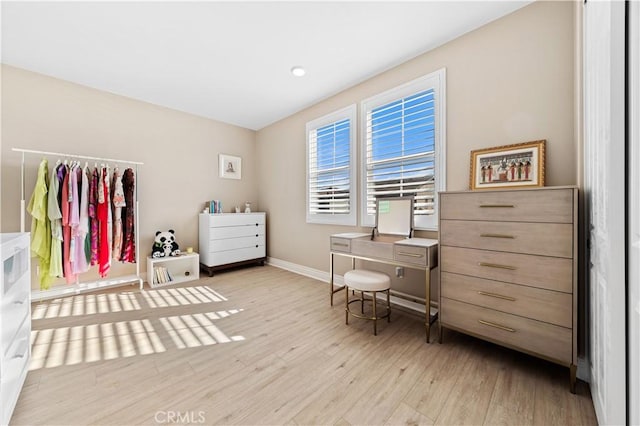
x: 510, y: 166
x: 247, y: 207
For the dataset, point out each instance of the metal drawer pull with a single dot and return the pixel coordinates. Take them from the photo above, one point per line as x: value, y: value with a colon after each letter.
x: 341, y: 244
x: 501, y: 327
x: 497, y: 296
x: 497, y: 236
x: 18, y: 356
x: 404, y: 253
x: 498, y: 205
x: 495, y: 265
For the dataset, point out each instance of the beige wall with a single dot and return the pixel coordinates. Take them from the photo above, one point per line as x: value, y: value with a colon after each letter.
x: 179, y: 151
x: 510, y: 81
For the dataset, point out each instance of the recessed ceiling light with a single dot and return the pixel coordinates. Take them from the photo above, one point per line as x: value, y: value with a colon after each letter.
x: 298, y: 71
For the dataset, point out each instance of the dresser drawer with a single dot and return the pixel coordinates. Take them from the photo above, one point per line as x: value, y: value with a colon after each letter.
x: 536, y: 337
x: 545, y: 205
x: 552, y: 273
x: 15, y: 309
x: 236, y: 219
x: 410, y: 254
x: 340, y: 244
x: 530, y: 302
x: 236, y: 243
x: 14, y: 368
x: 235, y: 231
x: 546, y: 239
x: 232, y: 256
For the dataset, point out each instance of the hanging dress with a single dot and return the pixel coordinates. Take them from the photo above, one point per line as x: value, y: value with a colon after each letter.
x: 40, y: 224
x: 118, y: 203
x: 128, y: 221
x: 103, y: 217
x: 66, y: 230
x: 78, y: 228
x: 86, y: 185
x: 55, y: 217
x: 93, y: 215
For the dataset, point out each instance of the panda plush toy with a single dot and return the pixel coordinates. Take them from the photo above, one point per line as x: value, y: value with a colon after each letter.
x: 165, y: 244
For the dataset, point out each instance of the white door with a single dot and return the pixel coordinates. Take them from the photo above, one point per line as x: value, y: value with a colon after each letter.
x: 634, y: 213
x: 604, y: 169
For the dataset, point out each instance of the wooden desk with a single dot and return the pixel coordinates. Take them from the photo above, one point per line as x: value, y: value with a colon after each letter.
x: 413, y: 253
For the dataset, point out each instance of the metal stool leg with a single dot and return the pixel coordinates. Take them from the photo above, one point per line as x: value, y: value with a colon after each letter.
x: 388, y: 307
x: 346, y: 304
x: 375, y: 315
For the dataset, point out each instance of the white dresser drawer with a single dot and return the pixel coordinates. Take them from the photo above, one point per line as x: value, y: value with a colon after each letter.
x: 232, y: 256
x: 552, y: 273
x: 544, y: 205
x: 236, y: 243
x: 236, y: 219
x: 532, y: 336
x: 15, y: 309
x: 14, y: 370
x: 220, y: 233
x: 545, y: 239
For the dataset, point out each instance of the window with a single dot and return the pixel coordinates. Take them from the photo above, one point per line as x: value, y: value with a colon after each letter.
x: 403, y: 147
x: 331, y: 168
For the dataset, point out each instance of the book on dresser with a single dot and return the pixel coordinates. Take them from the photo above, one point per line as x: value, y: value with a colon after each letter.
x: 508, y: 269
x: 231, y: 239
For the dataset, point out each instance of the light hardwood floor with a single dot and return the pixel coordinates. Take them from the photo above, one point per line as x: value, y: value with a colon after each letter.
x: 262, y: 346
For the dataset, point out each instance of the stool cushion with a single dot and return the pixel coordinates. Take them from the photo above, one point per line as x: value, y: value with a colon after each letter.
x: 364, y: 280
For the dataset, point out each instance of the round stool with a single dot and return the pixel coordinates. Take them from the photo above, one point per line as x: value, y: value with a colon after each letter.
x: 366, y: 281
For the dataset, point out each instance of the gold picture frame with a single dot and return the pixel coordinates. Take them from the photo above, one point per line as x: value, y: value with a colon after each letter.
x: 510, y: 166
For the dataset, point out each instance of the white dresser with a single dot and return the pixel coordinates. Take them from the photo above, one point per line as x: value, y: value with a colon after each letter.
x: 15, y: 319
x: 508, y: 269
x: 231, y: 239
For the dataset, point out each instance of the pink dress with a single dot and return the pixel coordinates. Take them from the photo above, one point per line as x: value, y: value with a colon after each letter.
x: 66, y: 232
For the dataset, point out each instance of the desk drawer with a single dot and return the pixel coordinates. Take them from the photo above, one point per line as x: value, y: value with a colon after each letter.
x: 535, y: 303
x: 536, y: 337
x: 552, y: 273
x: 410, y: 254
x: 545, y: 239
x: 374, y: 249
x: 545, y: 205
x: 341, y: 244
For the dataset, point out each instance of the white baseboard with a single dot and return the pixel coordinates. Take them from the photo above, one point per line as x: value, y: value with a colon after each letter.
x: 68, y: 290
x: 304, y: 270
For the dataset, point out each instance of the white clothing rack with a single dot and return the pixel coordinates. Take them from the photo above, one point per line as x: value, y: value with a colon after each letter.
x: 79, y: 287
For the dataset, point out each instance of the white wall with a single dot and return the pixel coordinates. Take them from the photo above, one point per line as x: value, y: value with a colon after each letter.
x: 179, y: 151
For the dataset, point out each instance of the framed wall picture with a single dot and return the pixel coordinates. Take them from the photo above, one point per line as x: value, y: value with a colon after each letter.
x: 230, y: 167
x: 508, y: 166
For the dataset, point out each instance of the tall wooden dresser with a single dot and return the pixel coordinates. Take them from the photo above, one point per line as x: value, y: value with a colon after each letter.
x: 508, y: 269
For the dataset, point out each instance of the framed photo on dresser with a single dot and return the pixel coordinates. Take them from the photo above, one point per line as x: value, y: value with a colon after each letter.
x: 509, y: 166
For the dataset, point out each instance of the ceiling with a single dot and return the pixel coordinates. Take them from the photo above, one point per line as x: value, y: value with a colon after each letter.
x: 230, y: 61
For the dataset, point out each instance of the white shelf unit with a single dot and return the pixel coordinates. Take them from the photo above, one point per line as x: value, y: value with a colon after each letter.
x: 15, y: 319
x: 182, y: 268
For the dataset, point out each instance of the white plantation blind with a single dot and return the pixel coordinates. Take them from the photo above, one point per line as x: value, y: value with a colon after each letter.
x: 330, y: 175
x: 403, y: 148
